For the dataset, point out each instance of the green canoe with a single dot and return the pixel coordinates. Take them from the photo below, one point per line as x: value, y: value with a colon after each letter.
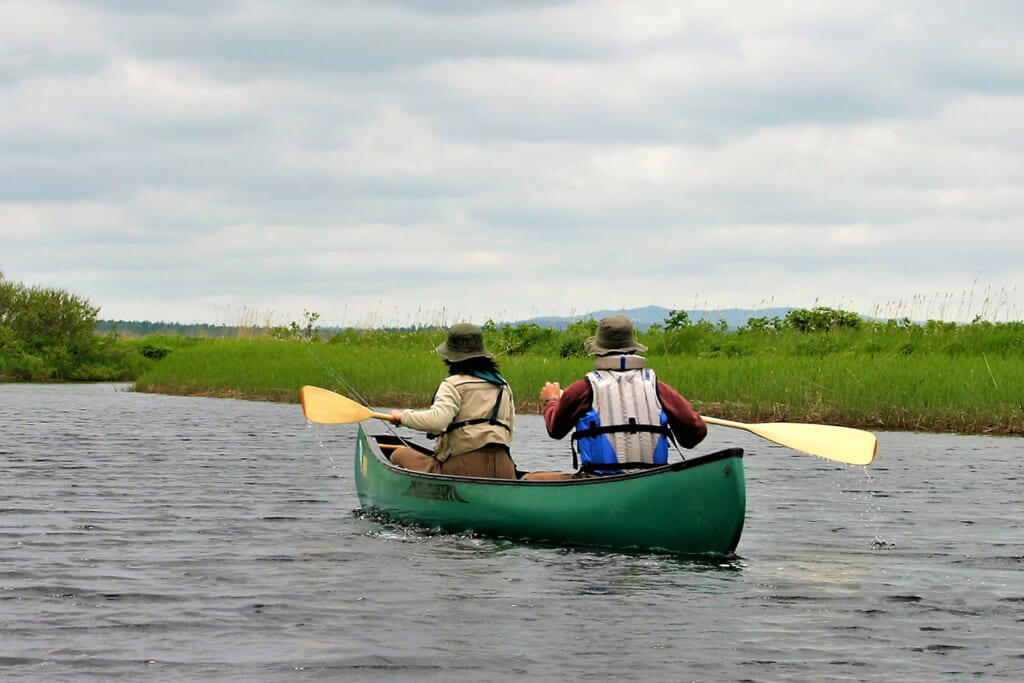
x: 691, y: 507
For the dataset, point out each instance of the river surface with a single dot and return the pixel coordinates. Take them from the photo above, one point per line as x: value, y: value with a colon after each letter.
x: 162, y: 538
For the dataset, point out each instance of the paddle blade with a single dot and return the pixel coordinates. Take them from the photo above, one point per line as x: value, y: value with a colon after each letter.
x: 843, y: 444
x: 327, y: 407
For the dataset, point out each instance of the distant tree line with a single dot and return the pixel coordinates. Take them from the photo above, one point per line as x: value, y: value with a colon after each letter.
x: 145, y: 328
x: 307, y: 330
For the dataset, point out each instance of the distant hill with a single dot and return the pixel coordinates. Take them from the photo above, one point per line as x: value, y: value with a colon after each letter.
x: 643, y: 318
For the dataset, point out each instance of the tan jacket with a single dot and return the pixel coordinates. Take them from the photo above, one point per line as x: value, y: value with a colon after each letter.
x: 460, y: 398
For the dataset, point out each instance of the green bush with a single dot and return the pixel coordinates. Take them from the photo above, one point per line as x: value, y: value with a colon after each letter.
x: 153, y: 351
x: 822, y: 319
x: 50, y: 334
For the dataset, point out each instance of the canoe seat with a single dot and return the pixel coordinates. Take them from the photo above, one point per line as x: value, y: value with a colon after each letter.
x: 546, y: 476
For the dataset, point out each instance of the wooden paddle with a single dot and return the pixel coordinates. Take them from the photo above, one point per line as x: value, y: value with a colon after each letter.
x: 843, y: 444
x: 327, y: 407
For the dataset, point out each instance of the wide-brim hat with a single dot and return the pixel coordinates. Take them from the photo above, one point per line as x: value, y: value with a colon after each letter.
x: 464, y: 341
x: 614, y: 335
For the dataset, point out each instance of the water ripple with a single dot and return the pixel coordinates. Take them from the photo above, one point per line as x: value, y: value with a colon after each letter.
x: 179, y: 539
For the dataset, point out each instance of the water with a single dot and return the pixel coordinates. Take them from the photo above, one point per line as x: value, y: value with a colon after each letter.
x: 181, y: 539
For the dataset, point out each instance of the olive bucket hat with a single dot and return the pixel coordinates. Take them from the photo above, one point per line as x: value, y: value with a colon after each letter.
x: 614, y: 335
x: 464, y: 341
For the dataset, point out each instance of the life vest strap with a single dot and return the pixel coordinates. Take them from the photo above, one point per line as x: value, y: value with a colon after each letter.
x: 492, y: 420
x: 632, y: 427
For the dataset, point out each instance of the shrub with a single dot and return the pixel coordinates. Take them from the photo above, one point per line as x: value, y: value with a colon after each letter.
x: 677, y: 320
x: 822, y: 319
x: 762, y: 325
x: 154, y: 352
x: 45, y: 333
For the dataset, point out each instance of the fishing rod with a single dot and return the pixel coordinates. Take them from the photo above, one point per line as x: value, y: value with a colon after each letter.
x: 349, y: 388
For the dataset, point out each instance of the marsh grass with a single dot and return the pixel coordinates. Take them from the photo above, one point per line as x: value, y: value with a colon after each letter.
x: 892, y: 376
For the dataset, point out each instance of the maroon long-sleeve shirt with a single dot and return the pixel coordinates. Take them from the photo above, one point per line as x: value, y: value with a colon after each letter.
x: 562, y: 414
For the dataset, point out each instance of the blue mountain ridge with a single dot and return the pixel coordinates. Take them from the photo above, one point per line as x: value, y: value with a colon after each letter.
x: 645, y: 316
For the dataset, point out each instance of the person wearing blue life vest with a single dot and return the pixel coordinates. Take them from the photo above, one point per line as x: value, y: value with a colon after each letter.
x: 472, y: 414
x: 622, y: 417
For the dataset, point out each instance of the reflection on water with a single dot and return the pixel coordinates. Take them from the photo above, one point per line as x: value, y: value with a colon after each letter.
x: 168, y: 538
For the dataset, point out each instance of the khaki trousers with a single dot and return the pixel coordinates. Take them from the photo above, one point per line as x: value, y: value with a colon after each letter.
x: 490, y: 461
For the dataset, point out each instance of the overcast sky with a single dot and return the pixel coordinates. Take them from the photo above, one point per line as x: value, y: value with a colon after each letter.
x: 432, y: 162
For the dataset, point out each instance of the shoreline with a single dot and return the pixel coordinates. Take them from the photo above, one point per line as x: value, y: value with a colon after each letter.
x: 749, y: 415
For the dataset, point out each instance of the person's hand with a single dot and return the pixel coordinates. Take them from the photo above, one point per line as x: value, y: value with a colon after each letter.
x: 550, y: 390
x: 396, y: 416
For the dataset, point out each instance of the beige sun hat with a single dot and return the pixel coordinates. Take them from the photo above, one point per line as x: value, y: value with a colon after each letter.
x: 614, y: 335
x: 464, y: 341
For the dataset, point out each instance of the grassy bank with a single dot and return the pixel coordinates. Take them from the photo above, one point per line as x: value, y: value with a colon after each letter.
x: 897, y: 376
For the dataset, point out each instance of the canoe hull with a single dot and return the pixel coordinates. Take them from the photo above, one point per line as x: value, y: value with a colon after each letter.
x: 691, y: 507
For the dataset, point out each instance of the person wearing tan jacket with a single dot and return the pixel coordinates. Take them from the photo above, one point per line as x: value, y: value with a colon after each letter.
x: 472, y: 414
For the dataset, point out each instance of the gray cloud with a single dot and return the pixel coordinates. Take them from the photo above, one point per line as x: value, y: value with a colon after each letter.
x: 190, y: 160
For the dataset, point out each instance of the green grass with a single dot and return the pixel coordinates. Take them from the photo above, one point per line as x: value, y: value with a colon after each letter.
x: 935, y: 377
